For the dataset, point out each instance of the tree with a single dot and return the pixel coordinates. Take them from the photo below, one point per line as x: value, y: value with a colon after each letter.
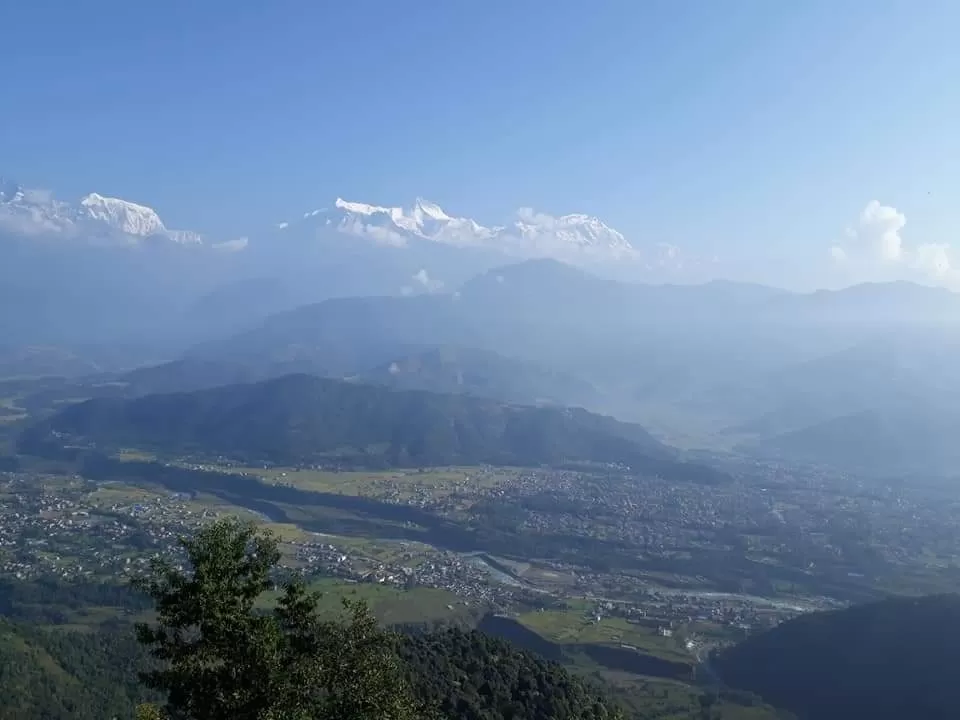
x: 227, y: 654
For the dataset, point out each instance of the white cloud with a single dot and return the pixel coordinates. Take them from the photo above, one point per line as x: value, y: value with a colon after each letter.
x: 879, y: 230
x: 422, y: 282
x: 232, y: 245
x: 933, y: 259
x: 838, y: 254
x: 422, y: 278
x: 32, y: 221
x: 531, y: 216
x: 874, y: 249
x: 380, y: 235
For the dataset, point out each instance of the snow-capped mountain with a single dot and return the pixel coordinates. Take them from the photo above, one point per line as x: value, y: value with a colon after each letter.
x: 127, y: 217
x: 94, y: 217
x: 421, y: 244
x: 530, y: 234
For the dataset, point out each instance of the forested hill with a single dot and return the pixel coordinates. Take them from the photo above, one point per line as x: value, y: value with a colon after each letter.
x: 471, y: 676
x: 895, y: 659
x: 304, y: 419
x: 52, y: 674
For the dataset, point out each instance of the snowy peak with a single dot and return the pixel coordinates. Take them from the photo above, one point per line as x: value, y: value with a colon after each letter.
x: 575, y: 230
x: 95, y: 218
x: 122, y: 215
x: 399, y: 226
x: 529, y: 235
x: 359, y: 208
x: 426, y: 209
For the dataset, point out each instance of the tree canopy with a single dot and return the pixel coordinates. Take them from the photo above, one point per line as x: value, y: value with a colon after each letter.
x: 228, y: 653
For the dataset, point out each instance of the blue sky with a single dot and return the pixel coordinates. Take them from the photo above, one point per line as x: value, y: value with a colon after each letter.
x: 754, y: 130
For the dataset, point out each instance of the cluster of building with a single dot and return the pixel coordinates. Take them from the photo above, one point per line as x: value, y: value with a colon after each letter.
x: 63, y: 528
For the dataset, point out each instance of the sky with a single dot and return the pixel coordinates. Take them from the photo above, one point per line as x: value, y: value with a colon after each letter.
x: 802, y: 144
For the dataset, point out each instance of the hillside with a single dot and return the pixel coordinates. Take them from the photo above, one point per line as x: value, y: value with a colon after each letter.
x: 892, y: 440
x: 482, y: 373
x: 88, y: 675
x: 49, y: 675
x: 301, y: 419
x: 447, y: 369
x: 468, y: 674
x: 888, y: 660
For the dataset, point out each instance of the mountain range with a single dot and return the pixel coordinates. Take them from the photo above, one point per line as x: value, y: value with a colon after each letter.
x: 93, y: 219
x: 529, y: 235
x: 67, y: 264
x: 96, y: 218
x: 301, y: 419
x: 863, y: 378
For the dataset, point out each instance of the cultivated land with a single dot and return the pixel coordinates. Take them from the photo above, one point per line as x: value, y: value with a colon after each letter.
x: 630, y: 577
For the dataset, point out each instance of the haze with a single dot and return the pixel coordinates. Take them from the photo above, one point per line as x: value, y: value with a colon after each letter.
x: 185, y: 177
x: 626, y: 331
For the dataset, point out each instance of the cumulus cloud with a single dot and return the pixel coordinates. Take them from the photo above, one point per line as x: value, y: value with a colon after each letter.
x: 879, y: 230
x: 875, y: 249
x: 380, y: 235
x: 531, y: 216
x: 933, y: 259
x: 30, y: 221
x: 422, y: 282
x: 422, y: 278
x: 838, y: 254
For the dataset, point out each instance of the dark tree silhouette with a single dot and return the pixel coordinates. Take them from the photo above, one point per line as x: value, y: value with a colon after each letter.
x: 224, y: 657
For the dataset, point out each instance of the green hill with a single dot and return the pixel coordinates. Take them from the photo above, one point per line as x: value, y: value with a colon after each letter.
x: 889, y: 660
x: 300, y: 419
x: 52, y: 674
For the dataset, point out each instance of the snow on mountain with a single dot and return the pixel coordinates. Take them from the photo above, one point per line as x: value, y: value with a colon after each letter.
x: 95, y: 217
x: 576, y: 238
x: 528, y: 235
x: 574, y: 231
x: 127, y: 217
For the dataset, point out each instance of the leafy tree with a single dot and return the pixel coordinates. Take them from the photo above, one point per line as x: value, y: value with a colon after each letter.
x: 225, y: 657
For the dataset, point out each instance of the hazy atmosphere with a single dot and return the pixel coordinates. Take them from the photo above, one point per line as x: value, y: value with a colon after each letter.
x: 627, y: 333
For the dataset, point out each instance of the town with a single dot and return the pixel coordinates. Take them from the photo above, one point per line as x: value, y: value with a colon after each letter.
x: 741, y: 556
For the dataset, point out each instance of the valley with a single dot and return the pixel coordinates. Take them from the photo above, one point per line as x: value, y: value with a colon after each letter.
x: 615, y: 573
x: 629, y: 494
x: 650, y: 412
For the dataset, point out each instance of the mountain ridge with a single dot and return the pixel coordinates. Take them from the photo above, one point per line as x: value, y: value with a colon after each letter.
x: 38, y: 213
x: 529, y: 234
x: 300, y: 419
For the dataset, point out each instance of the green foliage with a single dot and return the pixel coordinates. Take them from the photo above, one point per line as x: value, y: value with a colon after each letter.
x: 222, y: 659
x: 48, y: 674
x: 300, y: 419
x: 889, y: 660
x: 468, y: 675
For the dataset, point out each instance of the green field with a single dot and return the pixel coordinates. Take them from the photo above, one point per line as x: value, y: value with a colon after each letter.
x: 402, y: 484
x: 673, y: 700
x: 569, y: 627
x: 391, y: 605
